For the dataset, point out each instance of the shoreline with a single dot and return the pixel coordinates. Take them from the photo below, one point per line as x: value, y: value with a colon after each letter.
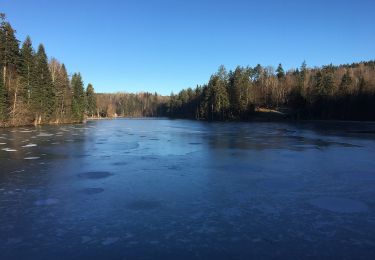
x: 252, y: 120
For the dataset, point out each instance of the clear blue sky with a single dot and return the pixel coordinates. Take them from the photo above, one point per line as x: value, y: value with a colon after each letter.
x: 166, y: 45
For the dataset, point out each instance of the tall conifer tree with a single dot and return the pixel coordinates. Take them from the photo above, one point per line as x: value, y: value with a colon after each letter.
x: 3, y: 105
x: 90, y: 100
x: 27, y: 69
x: 78, y: 100
x: 43, y: 95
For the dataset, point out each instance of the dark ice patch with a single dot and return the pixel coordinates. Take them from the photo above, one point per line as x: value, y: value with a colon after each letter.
x: 195, y: 143
x: 95, y: 175
x: 120, y: 163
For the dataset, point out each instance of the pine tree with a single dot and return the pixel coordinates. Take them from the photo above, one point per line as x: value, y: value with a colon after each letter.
x: 280, y: 72
x: 302, y: 73
x: 9, y: 51
x: 346, y: 81
x: 66, y: 104
x: 3, y: 105
x: 43, y: 95
x: 240, y: 86
x: 9, y: 56
x: 61, y: 85
x: 27, y: 70
x: 78, y: 101
x: 90, y: 100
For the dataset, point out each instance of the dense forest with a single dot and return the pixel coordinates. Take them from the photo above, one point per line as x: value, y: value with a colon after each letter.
x: 345, y: 92
x: 131, y: 105
x: 35, y: 90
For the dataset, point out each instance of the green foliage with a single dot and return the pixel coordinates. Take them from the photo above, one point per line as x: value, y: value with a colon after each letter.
x: 43, y: 94
x: 3, y: 105
x: 346, y: 81
x: 9, y: 48
x: 78, y: 101
x: 280, y: 72
x: 303, y: 93
x: 90, y: 100
x: 32, y: 90
x: 27, y: 71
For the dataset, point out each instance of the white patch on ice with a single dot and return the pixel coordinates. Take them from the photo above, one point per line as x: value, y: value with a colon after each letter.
x: 110, y: 240
x: 46, y: 202
x: 44, y: 135
x: 31, y: 158
x: 29, y: 145
x: 9, y: 150
x: 2, y: 143
x: 339, y: 205
x: 18, y: 171
x: 25, y: 131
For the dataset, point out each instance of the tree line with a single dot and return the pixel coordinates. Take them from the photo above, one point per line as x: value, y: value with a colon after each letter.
x: 345, y: 92
x: 35, y: 90
x: 123, y: 104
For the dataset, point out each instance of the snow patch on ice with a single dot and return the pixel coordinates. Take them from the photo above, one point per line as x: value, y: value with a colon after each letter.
x: 44, y: 135
x: 29, y: 145
x: 9, y: 150
x: 31, y: 158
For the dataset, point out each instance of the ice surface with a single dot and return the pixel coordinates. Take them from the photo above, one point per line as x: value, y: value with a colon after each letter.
x: 339, y: 205
x: 46, y: 202
x: 180, y: 189
x: 280, y: 185
x: 95, y: 175
x: 110, y: 240
x: 143, y: 205
x: 90, y: 191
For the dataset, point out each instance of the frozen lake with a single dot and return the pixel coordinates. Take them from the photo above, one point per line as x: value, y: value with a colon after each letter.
x: 179, y: 189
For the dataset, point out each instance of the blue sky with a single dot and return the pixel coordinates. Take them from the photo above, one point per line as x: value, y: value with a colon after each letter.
x: 166, y: 45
